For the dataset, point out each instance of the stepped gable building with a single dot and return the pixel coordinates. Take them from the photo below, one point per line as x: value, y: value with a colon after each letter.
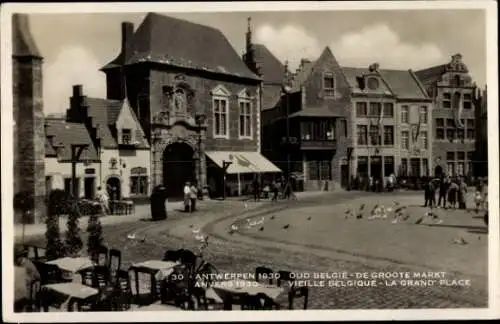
x: 193, y: 96
x: 454, y: 120
x: 391, y: 117
x: 314, y: 115
x: 28, y: 127
x: 117, y: 153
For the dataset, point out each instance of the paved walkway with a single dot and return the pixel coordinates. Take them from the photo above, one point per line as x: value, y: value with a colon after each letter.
x: 142, y: 212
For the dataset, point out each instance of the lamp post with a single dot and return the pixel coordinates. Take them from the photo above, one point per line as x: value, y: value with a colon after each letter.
x: 200, y: 121
x: 76, y: 152
x: 225, y: 166
x: 349, y: 154
x: 286, y: 90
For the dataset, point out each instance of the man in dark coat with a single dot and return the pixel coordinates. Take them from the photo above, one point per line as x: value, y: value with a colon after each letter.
x: 430, y: 194
x: 443, y: 189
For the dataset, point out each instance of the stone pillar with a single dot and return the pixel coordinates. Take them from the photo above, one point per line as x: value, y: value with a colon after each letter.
x: 156, y: 165
x: 29, y: 130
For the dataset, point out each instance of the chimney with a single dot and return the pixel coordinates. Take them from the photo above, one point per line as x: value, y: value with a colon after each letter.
x: 127, y: 33
x: 304, y: 61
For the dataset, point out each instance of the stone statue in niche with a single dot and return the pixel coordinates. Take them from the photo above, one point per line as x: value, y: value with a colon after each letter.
x: 179, y: 103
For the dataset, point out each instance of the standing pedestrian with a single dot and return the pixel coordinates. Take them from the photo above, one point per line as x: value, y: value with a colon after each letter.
x: 187, y: 197
x: 193, y: 196
x: 430, y: 194
x: 462, y: 194
x: 443, y: 189
x: 452, y: 194
x: 256, y: 188
x: 275, y: 191
x: 103, y: 198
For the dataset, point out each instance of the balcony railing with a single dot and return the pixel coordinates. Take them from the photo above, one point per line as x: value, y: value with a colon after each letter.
x: 318, y: 144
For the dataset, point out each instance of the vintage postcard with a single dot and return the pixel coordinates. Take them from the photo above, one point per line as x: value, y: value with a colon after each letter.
x: 197, y: 161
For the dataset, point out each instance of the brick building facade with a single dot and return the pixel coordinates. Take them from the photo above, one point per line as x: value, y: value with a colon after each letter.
x: 454, y: 118
x: 350, y: 122
x: 193, y: 99
x: 28, y: 115
x: 391, y: 116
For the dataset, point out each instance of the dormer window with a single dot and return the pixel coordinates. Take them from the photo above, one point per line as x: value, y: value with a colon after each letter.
x: 373, y: 83
x: 126, y: 136
x: 329, y: 84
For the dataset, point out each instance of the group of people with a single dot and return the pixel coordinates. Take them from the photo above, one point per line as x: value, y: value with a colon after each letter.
x: 274, y: 188
x: 190, y: 196
x: 451, y: 191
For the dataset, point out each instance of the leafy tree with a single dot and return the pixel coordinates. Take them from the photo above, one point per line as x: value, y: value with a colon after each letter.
x: 57, y: 204
x: 94, y: 228
x: 73, y: 240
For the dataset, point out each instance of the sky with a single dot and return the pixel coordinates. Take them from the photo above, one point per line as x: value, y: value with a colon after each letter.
x: 76, y: 46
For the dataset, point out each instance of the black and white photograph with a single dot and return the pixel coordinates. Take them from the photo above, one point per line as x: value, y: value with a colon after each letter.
x: 306, y: 160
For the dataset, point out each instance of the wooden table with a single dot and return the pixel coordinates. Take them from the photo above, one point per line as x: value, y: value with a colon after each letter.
x: 70, y: 266
x: 156, y: 269
x: 70, y: 291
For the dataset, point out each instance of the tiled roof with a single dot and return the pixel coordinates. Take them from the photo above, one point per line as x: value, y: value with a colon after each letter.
x: 181, y: 43
x: 404, y: 84
x: 64, y: 135
x: 401, y: 83
x: 271, y: 95
x: 271, y: 69
x: 431, y: 75
x: 22, y: 40
x: 104, y: 113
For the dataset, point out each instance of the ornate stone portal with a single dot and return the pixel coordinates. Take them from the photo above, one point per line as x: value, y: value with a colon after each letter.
x: 176, y: 123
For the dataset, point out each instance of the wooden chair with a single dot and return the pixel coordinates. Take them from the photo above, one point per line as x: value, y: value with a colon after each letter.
x: 49, y: 273
x: 187, y: 258
x: 101, y: 252
x: 115, y: 258
x: 123, y: 297
x: 264, y: 273
x: 171, y: 255
x: 101, y: 277
x: 293, y: 291
x: 87, y: 277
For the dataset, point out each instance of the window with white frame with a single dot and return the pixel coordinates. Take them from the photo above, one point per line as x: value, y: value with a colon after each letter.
x: 405, y: 117
x: 423, y: 114
x: 329, y: 84
x: 425, y: 140
x: 405, y: 140
x: 245, y: 123
x: 221, y: 112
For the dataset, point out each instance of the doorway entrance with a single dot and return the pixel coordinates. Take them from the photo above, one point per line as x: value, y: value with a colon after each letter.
x: 113, y: 187
x: 89, y: 187
x: 178, y: 167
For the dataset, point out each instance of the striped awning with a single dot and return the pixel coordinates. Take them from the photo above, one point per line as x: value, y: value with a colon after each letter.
x: 243, y: 162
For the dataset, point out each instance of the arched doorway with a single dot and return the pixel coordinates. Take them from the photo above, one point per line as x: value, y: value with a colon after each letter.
x: 113, y: 187
x: 438, y: 171
x: 178, y: 167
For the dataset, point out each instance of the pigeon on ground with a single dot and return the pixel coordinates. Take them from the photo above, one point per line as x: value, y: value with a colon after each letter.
x: 359, y: 216
x: 131, y: 236
x: 143, y: 240
x: 286, y: 226
x: 261, y: 228
x: 460, y: 241
x: 273, y: 217
x: 191, y: 226
x: 309, y: 218
x: 234, y: 227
